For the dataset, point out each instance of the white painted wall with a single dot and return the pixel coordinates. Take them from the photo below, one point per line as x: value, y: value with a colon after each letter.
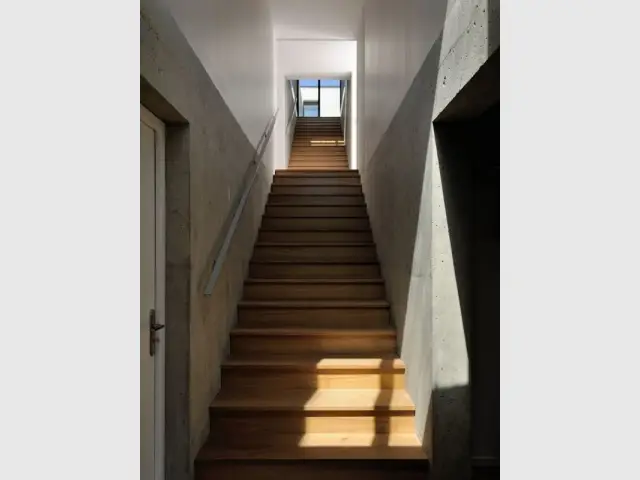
x: 316, y: 19
x: 397, y: 37
x: 312, y: 59
x: 234, y: 42
x: 288, y: 115
x: 329, y: 102
x: 359, y: 106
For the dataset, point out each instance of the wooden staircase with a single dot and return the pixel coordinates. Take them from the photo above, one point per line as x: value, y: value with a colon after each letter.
x: 318, y: 144
x: 313, y: 388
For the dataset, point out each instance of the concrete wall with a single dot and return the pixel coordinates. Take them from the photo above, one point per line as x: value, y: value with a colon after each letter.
x: 311, y: 59
x: 469, y: 158
x: 417, y: 57
x: 208, y: 153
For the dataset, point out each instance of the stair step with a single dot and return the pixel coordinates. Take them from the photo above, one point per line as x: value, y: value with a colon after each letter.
x: 334, y: 314
x: 317, y: 180
x: 303, y: 168
x: 337, y: 173
x: 316, y: 224
x: 315, y: 236
x: 325, y: 446
x: 406, y: 469
x: 311, y: 200
x: 315, y: 253
x: 309, y: 270
x: 317, y: 190
x: 318, y: 162
x: 316, y: 211
x: 288, y: 342
x: 316, y: 402
x: 314, y: 289
x: 251, y: 375
x: 228, y: 427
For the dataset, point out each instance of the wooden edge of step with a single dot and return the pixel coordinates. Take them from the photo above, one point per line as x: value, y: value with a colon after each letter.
x: 325, y: 446
x: 319, y: 261
x: 318, y: 364
x: 315, y: 304
x: 318, y: 401
x: 311, y: 332
x: 314, y: 281
x: 315, y: 244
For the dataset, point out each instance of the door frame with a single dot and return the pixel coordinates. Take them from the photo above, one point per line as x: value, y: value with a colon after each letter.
x: 160, y: 211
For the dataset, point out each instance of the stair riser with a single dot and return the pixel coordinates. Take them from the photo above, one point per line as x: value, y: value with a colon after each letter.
x: 311, y: 190
x: 319, y: 162
x: 292, y: 346
x: 315, y: 237
x: 320, y: 153
x: 316, y: 181
x: 315, y: 224
x: 265, y: 380
x: 314, y: 292
x: 317, y: 157
x: 315, y: 212
x: 350, y: 318
x: 308, y: 254
x: 310, y: 470
x: 246, y: 425
x: 289, y: 173
x: 315, y: 271
x: 308, y: 200
x: 311, y: 169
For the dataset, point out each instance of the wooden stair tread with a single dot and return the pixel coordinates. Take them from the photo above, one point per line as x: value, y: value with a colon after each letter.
x: 317, y: 261
x: 343, y: 304
x: 313, y: 281
x: 313, y: 332
x: 323, y: 400
x: 316, y: 244
x: 316, y: 446
x: 318, y: 364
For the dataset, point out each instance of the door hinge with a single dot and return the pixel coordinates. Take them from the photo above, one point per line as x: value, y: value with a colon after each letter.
x: 153, y: 328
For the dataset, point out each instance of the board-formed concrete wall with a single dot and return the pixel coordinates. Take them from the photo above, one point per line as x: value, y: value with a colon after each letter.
x: 417, y: 57
x: 207, y: 157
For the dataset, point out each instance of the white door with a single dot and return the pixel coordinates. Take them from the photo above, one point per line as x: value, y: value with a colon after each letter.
x: 151, y: 297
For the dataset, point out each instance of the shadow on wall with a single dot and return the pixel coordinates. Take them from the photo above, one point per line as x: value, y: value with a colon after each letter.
x: 469, y: 154
x: 414, y: 236
x: 397, y: 185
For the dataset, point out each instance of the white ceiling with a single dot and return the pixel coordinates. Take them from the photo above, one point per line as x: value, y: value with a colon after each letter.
x: 316, y: 19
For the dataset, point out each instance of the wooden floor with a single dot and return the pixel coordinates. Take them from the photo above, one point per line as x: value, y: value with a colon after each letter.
x: 313, y: 387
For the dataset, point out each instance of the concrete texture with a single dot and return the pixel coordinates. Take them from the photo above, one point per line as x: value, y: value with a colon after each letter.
x: 207, y: 157
x: 469, y: 156
x: 402, y: 182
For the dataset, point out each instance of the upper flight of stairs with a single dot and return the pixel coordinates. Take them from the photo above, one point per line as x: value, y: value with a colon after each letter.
x: 313, y: 387
x: 318, y: 144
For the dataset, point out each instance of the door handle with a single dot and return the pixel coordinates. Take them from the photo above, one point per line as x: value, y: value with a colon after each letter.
x: 153, y: 328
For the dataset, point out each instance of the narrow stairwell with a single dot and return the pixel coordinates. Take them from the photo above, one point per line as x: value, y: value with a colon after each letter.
x: 313, y: 387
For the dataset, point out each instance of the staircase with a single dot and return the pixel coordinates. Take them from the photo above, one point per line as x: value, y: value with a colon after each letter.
x: 313, y: 388
x: 318, y: 144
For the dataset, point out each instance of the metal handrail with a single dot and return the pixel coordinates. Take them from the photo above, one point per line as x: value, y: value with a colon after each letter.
x: 255, y: 163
